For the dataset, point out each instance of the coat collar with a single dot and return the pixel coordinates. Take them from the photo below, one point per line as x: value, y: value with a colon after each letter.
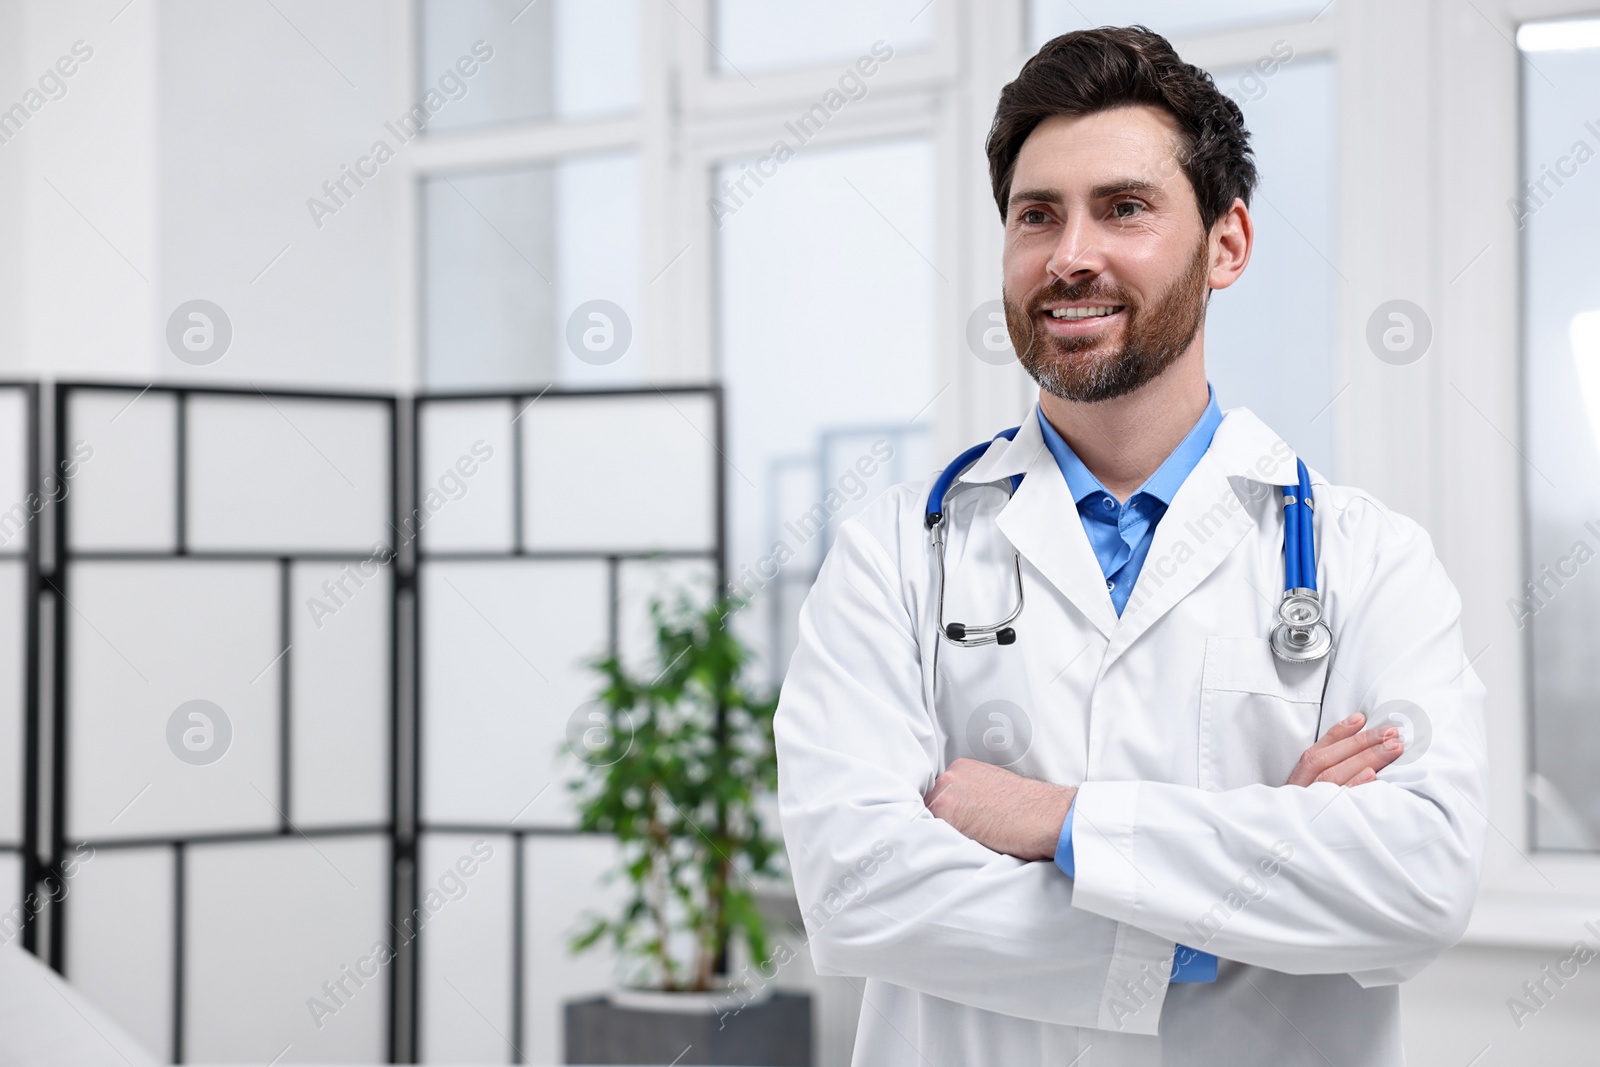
x: 1243, y: 447
x: 1206, y: 519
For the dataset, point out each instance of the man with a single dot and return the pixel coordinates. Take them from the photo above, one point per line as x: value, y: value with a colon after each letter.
x: 1129, y: 836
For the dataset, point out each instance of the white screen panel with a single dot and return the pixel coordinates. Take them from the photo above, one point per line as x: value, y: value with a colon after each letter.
x: 124, y: 494
x: 622, y: 472
x: 143, y: 639
x: 340, y: 684
x: 641, y: 581
x: 504, y: 646
x: 466, y: 946
x: 272, y: 928
x: 561, y: 884
x: 13, y: 695
x: 272, y: 473
x: 119, y: 947
x: 465, y: 475
x: 16, y: 509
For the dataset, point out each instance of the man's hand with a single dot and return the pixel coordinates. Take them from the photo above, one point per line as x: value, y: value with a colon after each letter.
x: 1345, y: 756
x: 1000, y: 810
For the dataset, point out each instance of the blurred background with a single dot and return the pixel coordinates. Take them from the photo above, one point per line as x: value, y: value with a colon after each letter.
x: 368, y: 367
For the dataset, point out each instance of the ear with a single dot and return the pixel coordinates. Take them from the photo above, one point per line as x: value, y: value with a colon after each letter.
x: 1232, y: 237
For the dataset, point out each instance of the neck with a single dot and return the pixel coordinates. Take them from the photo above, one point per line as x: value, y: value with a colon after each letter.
x: 1123, y: 440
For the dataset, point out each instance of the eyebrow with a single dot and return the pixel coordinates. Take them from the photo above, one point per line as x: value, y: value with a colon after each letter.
x: 1099, y: 192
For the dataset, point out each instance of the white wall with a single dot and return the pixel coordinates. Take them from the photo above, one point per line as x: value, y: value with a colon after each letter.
x: 79, y: 254
x: 177, y: 166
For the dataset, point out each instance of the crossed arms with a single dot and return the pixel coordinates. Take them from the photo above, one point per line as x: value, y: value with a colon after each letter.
x: 1022, y: 817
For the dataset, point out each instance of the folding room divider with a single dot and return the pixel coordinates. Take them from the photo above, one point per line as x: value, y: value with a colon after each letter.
x: 292, y: 691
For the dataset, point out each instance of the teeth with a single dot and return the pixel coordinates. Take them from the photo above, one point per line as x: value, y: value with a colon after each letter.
x: 1083, y: 312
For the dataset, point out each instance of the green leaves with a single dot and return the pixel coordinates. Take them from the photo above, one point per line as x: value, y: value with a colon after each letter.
x: 689, y: 754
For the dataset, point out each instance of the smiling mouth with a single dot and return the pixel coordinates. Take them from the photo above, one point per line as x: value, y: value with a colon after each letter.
x: 1074, y: 314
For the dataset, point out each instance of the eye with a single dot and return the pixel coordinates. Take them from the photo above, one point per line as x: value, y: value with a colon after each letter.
x: 1126, y: 209
x: 1033, y: 217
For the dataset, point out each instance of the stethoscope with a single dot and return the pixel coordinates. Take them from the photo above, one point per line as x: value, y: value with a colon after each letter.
x: 1300, y: 635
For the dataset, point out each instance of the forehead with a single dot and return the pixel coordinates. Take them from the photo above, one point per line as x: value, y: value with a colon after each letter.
x: 1069, y: 151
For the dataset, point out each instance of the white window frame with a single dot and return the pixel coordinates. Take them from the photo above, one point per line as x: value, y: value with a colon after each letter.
x: 1428, y: 152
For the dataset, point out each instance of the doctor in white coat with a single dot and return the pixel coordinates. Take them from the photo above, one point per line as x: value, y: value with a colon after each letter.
x: 1134, y: 835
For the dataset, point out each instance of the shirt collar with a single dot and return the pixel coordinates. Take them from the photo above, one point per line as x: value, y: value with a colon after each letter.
x: 1163, y: 484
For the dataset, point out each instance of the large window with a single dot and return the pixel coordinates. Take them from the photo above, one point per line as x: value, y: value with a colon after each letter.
x: 1558, y: 212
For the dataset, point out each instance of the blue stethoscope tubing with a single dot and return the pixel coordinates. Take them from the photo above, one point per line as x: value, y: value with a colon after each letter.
x: 1299, y: 636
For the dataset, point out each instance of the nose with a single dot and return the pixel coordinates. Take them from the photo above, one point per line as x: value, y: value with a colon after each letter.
x: 1077, y: 254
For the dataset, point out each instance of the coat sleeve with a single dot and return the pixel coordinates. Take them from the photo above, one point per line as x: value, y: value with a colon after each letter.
x: 1374, y: 881
x: 887, y: 890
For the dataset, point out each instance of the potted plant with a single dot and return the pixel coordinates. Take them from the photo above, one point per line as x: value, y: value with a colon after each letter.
x: 676, y: 774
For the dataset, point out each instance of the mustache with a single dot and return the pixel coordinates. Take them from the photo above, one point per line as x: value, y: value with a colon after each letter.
x: 1090, y: 289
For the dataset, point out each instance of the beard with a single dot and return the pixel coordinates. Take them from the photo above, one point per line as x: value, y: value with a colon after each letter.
x: 1152, y: 338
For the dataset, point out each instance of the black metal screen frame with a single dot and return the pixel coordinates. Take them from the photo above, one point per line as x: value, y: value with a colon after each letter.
x: 46, y: 856
x: 715, y: 554
x: 54, y: 583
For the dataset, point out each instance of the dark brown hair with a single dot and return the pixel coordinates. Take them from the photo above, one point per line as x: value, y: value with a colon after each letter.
x: 1115, y: 66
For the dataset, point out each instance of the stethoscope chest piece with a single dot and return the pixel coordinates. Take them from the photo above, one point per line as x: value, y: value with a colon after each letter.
x: 1300, y: 635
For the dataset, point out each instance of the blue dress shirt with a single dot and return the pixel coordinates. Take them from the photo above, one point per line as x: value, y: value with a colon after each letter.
x: 1121, y: 535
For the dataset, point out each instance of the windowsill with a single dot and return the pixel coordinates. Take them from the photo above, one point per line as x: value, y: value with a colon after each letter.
x: 1531, y: 921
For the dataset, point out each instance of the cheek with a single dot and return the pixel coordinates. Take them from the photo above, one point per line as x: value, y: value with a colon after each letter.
x: 1148, y: 268
x: 1023, y: 262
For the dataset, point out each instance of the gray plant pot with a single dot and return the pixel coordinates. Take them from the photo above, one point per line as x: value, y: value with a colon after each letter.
x: 773, y: 1033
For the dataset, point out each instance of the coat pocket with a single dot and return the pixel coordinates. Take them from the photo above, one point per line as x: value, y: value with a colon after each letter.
x: 1257, y: 713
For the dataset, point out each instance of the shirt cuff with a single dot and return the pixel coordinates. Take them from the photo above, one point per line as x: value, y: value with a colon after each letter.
x: 1192, y: 965
x: 1064, y: 842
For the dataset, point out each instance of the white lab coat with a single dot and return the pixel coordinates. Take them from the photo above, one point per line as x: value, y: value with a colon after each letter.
x: 1181, y: 728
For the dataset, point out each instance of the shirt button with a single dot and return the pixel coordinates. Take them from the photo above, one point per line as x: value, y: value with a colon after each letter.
x: 1110, y: 584
x: 1109, y: 503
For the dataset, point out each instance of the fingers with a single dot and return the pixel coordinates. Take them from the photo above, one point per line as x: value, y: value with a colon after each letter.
x: 1366, y: 763
x: 1320, y: 758
x: 1342, y: 729
x: 1344, y: 751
